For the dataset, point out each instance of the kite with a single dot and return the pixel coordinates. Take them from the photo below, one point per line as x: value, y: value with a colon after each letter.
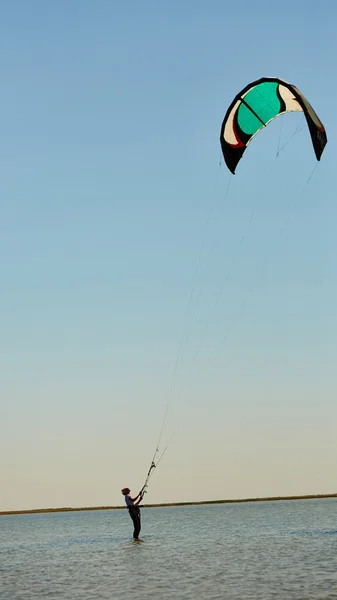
x: 257, y: 105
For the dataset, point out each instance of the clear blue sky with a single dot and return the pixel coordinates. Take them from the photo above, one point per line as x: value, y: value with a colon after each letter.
x: 111, y: 114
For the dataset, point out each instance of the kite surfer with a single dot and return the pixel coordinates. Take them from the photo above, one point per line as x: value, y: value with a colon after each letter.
x: 134, y: 510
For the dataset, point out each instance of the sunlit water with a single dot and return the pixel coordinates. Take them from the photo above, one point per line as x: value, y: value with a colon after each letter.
x: 248, y: 551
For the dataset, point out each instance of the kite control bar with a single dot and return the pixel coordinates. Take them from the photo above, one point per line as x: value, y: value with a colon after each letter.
x: 152, y: 466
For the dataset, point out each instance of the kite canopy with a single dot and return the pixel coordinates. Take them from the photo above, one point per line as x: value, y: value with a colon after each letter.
x: 255, y: 106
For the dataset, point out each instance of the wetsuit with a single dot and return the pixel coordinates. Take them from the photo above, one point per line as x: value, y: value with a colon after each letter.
x: 134, y: 512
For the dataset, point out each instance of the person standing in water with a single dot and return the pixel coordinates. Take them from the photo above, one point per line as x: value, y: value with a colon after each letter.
x: 134, y: 510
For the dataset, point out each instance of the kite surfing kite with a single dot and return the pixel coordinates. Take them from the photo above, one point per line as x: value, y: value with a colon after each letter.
x: 251, y: 110
x: 257, y: 105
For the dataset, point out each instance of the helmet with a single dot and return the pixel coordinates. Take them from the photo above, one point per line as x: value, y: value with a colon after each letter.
x: 125, y: 491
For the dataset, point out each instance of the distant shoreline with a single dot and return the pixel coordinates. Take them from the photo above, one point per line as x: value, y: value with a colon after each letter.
x: 162, y: 505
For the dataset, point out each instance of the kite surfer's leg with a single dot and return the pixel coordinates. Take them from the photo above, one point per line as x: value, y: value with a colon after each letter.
x: 135, y: 516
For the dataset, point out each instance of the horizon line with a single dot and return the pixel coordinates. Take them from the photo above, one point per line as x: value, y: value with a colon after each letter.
x: 168, y: 504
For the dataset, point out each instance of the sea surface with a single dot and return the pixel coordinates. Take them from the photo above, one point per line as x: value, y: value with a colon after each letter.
x: 278, y: 550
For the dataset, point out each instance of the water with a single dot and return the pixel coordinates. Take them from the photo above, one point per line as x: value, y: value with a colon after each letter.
x: 268, y: 550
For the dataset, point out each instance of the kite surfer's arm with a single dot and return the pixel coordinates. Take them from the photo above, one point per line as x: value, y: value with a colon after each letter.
x: 136, y: 498
x: 140, y: 496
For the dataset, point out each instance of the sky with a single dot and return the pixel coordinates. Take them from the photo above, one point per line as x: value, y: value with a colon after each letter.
x: 139, y: 275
